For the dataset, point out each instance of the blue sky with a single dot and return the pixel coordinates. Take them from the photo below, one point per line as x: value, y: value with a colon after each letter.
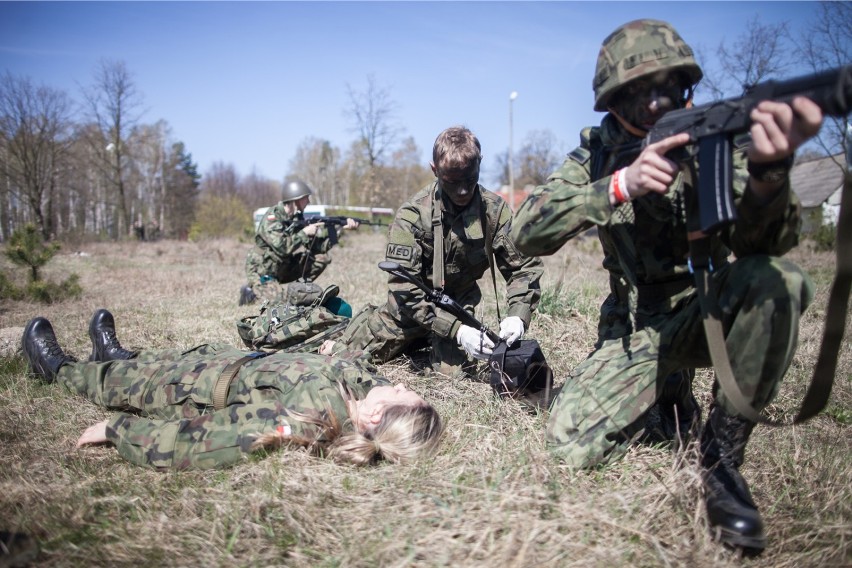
x: 245, y: 83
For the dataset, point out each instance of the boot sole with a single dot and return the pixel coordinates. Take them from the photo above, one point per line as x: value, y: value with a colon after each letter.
x: 751, y: 545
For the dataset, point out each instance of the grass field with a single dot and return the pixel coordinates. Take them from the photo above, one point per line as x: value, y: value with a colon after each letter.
x: 491, y: 497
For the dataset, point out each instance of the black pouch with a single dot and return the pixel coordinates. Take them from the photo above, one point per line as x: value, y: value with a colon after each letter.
x: 520, y: 370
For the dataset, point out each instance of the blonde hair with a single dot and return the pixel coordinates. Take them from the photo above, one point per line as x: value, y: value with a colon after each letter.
x: 456, y: 148
x: 405, y: 433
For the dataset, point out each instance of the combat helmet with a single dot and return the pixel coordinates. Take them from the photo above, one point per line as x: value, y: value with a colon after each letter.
x: 636, y: 49
x: 294, y: 190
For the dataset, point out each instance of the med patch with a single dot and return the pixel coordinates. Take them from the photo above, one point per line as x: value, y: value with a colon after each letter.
x: 399, y: 252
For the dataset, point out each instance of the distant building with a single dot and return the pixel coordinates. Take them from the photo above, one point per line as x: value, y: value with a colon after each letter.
x: 818, y: 183
x: 520, y: 195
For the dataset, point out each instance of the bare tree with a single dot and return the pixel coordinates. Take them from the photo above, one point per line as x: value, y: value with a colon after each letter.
x: 114, y: 105
x: 317, y: 163
x: 827, y: 43
x: 222, y: 179
x: 407, y: 175
x: 539, y: 156
x: 373, y: 113
x: 257, y: 191
x: 761, y: 52
x: 34, y: 139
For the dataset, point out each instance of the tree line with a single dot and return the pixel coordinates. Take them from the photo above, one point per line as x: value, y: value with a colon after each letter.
x: 93, y: 169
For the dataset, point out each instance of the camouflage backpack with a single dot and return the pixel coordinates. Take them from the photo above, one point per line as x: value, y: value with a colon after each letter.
x: 296, y: 326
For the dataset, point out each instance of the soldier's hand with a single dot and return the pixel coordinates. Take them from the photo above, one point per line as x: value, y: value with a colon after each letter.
x: 511, y: 329
x: 95, y: 434
x: 475, y: 342
x: 652, y: 171
x: 778, y: 128
x: 311, y: 230
x: 776, y: 131
x: 352, y: 224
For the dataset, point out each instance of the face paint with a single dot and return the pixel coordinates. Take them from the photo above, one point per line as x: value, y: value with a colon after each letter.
x: 643, y: 101
x: 459, y: 184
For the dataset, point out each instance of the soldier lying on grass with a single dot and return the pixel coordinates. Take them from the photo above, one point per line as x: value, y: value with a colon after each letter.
x: 212, y: 405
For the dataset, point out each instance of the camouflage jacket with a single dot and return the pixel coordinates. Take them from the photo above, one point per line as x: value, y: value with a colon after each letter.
x: 280, y: 236
x: 645, y: 240
x: 411, y: 243
x: 178, y: 427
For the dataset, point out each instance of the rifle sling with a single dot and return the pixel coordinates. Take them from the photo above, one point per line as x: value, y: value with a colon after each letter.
x: 835, y: 321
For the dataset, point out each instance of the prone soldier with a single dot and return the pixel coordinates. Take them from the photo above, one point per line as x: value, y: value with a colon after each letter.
x: 213, y: 405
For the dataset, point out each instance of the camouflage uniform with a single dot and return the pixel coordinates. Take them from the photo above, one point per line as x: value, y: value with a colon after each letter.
x: 386, y: 331
x: 165, y: 398
x: 650, y: 324
x: 281, y: 249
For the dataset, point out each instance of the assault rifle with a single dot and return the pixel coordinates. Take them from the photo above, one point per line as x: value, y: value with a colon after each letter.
x: 712, y: 127
x: 517, y: 371
x: 440, y: 299
x: 331, y: 223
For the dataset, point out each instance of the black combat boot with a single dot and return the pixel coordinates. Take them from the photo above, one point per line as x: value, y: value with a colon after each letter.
x: 105, y: 346
x: 676, y: 416
x: 247, y: 295
x: 733, y: 516
x: 42, y: 351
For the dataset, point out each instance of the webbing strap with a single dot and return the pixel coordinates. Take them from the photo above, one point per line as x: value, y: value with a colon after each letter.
x: 718, y: 350
x: 489, y: 249
x: 822, y: 380
x: 438, y: 236
x: 223, y: 383
x: 836, y: 312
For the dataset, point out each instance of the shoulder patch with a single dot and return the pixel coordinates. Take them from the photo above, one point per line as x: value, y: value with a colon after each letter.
x: 580, y: 155
x: 399, y: 252
x: 409, y: 215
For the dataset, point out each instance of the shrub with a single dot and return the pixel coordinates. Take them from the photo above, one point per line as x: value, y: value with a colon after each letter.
x: 28, y: 249
x: 825, y: 237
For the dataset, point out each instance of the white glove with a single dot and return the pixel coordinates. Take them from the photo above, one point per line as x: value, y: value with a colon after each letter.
x: 511, y: 329
x: 476, y: 343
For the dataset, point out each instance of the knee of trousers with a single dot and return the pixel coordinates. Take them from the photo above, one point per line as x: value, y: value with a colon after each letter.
x: 577, y: 438
x: 577, y: 452
x: 772, y: 279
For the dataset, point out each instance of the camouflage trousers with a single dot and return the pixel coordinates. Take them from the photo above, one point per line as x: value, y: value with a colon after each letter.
x: 260, y: 264
x: 386, y: 333
x: 605, y: 397
x: 167, y: 383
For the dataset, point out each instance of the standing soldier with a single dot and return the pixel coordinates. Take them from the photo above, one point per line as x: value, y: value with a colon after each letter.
x: 651, y: 322
x: 446, y: 234
x: 285, y: 247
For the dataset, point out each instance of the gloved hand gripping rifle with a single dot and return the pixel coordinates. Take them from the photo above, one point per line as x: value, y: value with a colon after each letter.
x: 519, y: 370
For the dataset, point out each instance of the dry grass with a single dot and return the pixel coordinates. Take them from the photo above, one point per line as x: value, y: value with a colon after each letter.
x: 491, y: 497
